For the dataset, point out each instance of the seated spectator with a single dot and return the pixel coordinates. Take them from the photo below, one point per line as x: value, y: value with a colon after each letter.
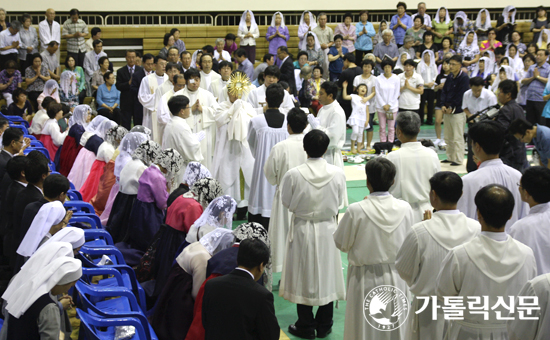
x: 491, y: 43
x: 219, y: 53
x: 68, y: 93
x: 78, y: 73
x: 408, y: 42
x: 446, y: 44
x: 40, y: 118
x: 543, y: 40
x: 315, y: 55
x: 461, y: 26
x: 20, y: 106
x: 469, y: 50
x: 50, y: 61
x: 244, y: 64
x: 386, y: 47
x: 230, y: 45
x: 483, y: 24
x: 29, y: 42
x: 51, y: 136
x: 96, y: 35
x: 92, y: 58
x: 10, y: 79
x: 335, y: 57
x: 442, y: 25
x: 416, y: 32
x: 178, y: 43
x: 51, y: 89
x: 347, y: 31
x: 428, y: 44
x: 301, y: 60
x: 97, y: 76
x: 108, y: 98
x: 268, y: 60
x: 168, y: 42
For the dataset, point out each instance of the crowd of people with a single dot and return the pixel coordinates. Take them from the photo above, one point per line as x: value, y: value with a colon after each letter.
x: 179, y: 147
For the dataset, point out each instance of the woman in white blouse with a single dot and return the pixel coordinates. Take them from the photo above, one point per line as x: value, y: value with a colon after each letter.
x: 248, y: 33
x: 387, y: 89
x: 428, y: 70
x: 51, y: 135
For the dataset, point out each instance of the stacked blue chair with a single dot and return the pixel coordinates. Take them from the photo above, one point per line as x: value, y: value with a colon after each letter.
x: 98, y: 328
x: 16, y: 120
x: 31, y: 137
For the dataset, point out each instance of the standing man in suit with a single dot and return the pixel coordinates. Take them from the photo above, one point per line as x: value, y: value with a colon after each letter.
x: 234, y: 305
x: 148, y: 67
x: 287, y: 68
x: 124, y: 77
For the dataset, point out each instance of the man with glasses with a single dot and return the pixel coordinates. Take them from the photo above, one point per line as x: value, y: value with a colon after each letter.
x: 454, y: 117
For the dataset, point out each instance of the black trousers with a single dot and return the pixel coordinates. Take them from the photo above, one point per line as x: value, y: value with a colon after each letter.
x: 534, y: 111
x: 470, y: 164
x: 427, y: 99
x: 322, y: 320
x: 264, y: 221
x: 114, y: 116
x: 78, y: 57
x: 33, y: 96
x: 359, y: 56
x: 137, y: 113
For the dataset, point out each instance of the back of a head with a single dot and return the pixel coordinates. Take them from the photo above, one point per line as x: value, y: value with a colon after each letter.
x: 252, y: 253
x: 273, y: 71
x: 536, y: 181
x: 274, y: 95
x: 477, y: 81
x: 509, y: 86
x: 53, y: 109
x: 16, y: 166
x: 447, y: 185
x: 47, y: 101
x: 55, y: 184
x: 495, y: 204
x: 489, y: 135
x: 380, y: 173
x: 316, y: 143
x: 11, y: 134
x: 409, y: 123
x: 177, y: 103
x: 297, y: 119
x: 37, y: 166
x: 350, y: 57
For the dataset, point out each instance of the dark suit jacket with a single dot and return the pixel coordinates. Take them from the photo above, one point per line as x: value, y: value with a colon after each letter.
x: 127, y: 97
x: 287, y: 74
x: 236, y: 307
x: 136, y: 82
x: 4, y: 159
x: 6, y: 222
x: 4, y: 186
x: 27, y: 196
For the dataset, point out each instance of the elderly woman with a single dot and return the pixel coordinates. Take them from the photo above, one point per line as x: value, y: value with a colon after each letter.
x: 178, y: 43
x: 469, y: 50
x: 168, y: 42
x: 315, y: 54
x: 400, y: 23
x: 347, y: 31
x: 491, y: 43
x: 482, y: 25
x: 97, y: 76
x: 277, y: 34
x: 416, y: 32
x: 387, y: 87
x: 461, y: 25
x: 35, y: 77
x: 29, y: 42
x: 10, y: 79
x: 51, y: 89
x: 307, y: 24
x: 335, y: 57
x: 219, y: 53
x: 506, y: 24
x: 248, y: 33
x: 442, y: 25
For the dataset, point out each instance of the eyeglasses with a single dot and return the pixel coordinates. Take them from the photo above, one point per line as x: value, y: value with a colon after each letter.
x: 454, y: 64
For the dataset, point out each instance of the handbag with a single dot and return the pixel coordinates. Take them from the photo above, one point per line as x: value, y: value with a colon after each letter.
x: 389, y: 115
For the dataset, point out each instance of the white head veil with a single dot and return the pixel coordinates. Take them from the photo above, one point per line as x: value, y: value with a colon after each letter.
x: 93, y: 126
x: 115, y: 135
x: 49, y: 87
x: 72, y: 235
x: 66, y: 84
x: 282, y: 19
x: 547, y: 31
x: 242, y: 23
x: 516, y: 62
x: 509, y: 75
x: 194, y: 172
x: 217, y: 240
x: 103, y: 127
x: 491, y: 55
x: 128, y: 145
x: 399, y: 64
x: 194, y: 58
x: 218, y: 214
x: 507, y: 11
x: 464, y: 41
x: 422, y: 66
x: 488, y: 67
x: 49, y: 215
x: 60, y: 271
x: 447, y: 16
x: 312, y: 22
x: 142, y: 129
x: 463, y: 16
x: 80, y: 115
x: 483, y: 25
x: 317, y: 45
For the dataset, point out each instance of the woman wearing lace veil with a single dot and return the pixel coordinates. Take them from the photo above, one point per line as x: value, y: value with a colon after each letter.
x: 82, y: 115
x: 219, y: 214
x: 193, y: 173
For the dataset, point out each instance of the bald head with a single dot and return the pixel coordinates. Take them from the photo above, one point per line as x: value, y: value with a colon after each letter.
x: 50, y: 14
x: 495, y: 205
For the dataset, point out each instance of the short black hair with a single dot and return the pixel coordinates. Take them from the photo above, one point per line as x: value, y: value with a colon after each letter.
x: 267, y: 56
x: 449, y: 39
x: 102, y: 60
x: 447, y: 185
x: 500, y: 50
x: 107, y: 75
x: 230, y: 36
x: 3, y: 122
x: 457, y: 58
x: 170, y: 66
x: 317, y: 67
x: 348, y: 14
x: 55, y: 184
x: 95, y: 31
x: 205, y: 55
x: 338, y: 36
x: 11, y: 134
x: 174, y: 30
x: 240, y: 52
x: 166, y: 38
x: 380, y: 173
x: 160, y: 57
x: 283, y: 49
x: 177, y: 76
x: 491, y: 29
x: 272, y: 71
x: 509, y: 86
x: 536, y: 181
x: 97, y: 42
x: 385, y: 62
x: 177, y: 103
x: 47, y: 101
x: 184, y: 52
x: 53, y: 109
x: 409, y: 62
x: 301, y: 53
x: 16, y: 166
x: 24, y: 17
x: 209, y: 49
x: 37, y: 55
x: 252, y: 253
x: 36, y: 167
x: 428, y: 34
x: 67, y: 61
x: 330, y: 88
x: 530, y: 56
x: 191, y: 73
x: 350, y: 57
x: 284, y: 84
x: 419, y: 17
x: 225, y: 63
x: 367, y: 62
x: 74, y: 11
x: 495, y: 204
x: 274, y: 95
x: 477, y: 81
x: 519, y: 126
x: 147, y: 56
x: 316, y: 143
x: 297, y: 119
x: 489, y: 135
x: 17, y: 92
x: 402, y: 4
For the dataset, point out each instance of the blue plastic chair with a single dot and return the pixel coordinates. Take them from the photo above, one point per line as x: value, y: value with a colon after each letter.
x: 20, y: 126
x: 36, y: 144
x: 16, y: 120
x: 102, y: 329
x: 74, y: 195
x: 91, y: 219
x: 31, y: 137
x: 51, y: 165
x: 80, y: 206
x: 98, y: 238
x: 43, y: 150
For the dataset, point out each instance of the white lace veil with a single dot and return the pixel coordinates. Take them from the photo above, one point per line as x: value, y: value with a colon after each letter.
x: 80, y: 115
x: 128, y: 145
x: 194, y: 172
x: 147, y: 152
x: 219, y: 214
x: 142, y: 129
x: 217, y: 240
x: 102, y: 129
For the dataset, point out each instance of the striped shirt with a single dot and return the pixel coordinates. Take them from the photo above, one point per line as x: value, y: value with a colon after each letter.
x: 536, y: 87
x: 75, y: 45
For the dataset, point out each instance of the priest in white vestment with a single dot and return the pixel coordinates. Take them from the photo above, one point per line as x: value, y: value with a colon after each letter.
x: 258, y: 97
x: 426, y: 245
x: 284, y: 156
x: 164, y: 116
x: 147, y: 97
x: 203, y: 113
x: 492, y: 265
x: 371, y: 232
x: 415, y: 165
x: 232, y: 155
x: 534, y: 229
x: 217, y: 86
x: 538, y: 329
x: 208, y: 76
x: 487, y: 139
x: 312, y: 270
x: 178, y: 134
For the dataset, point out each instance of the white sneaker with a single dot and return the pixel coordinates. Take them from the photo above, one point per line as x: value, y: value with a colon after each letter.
x: 436, y: 142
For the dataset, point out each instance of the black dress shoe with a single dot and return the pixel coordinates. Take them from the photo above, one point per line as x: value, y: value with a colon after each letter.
x: 429, y: 123
x: 301, y: 333
x: 455, y: 164
x: 445, y: 161
x: 323, y: 334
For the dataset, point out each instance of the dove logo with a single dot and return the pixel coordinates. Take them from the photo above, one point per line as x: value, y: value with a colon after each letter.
x: 386, y: 308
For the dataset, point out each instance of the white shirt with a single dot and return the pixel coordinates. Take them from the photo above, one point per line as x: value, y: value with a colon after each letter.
x: 427, y: 19
x: 6, y: 39
x: 408, y: 99
x: 49, y: 33
x: 91, y: 62
x: 387, y: 92
x: 38, y: 122
x: 208, y: 78
x: 486, y: 98
x: 370, y: 82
